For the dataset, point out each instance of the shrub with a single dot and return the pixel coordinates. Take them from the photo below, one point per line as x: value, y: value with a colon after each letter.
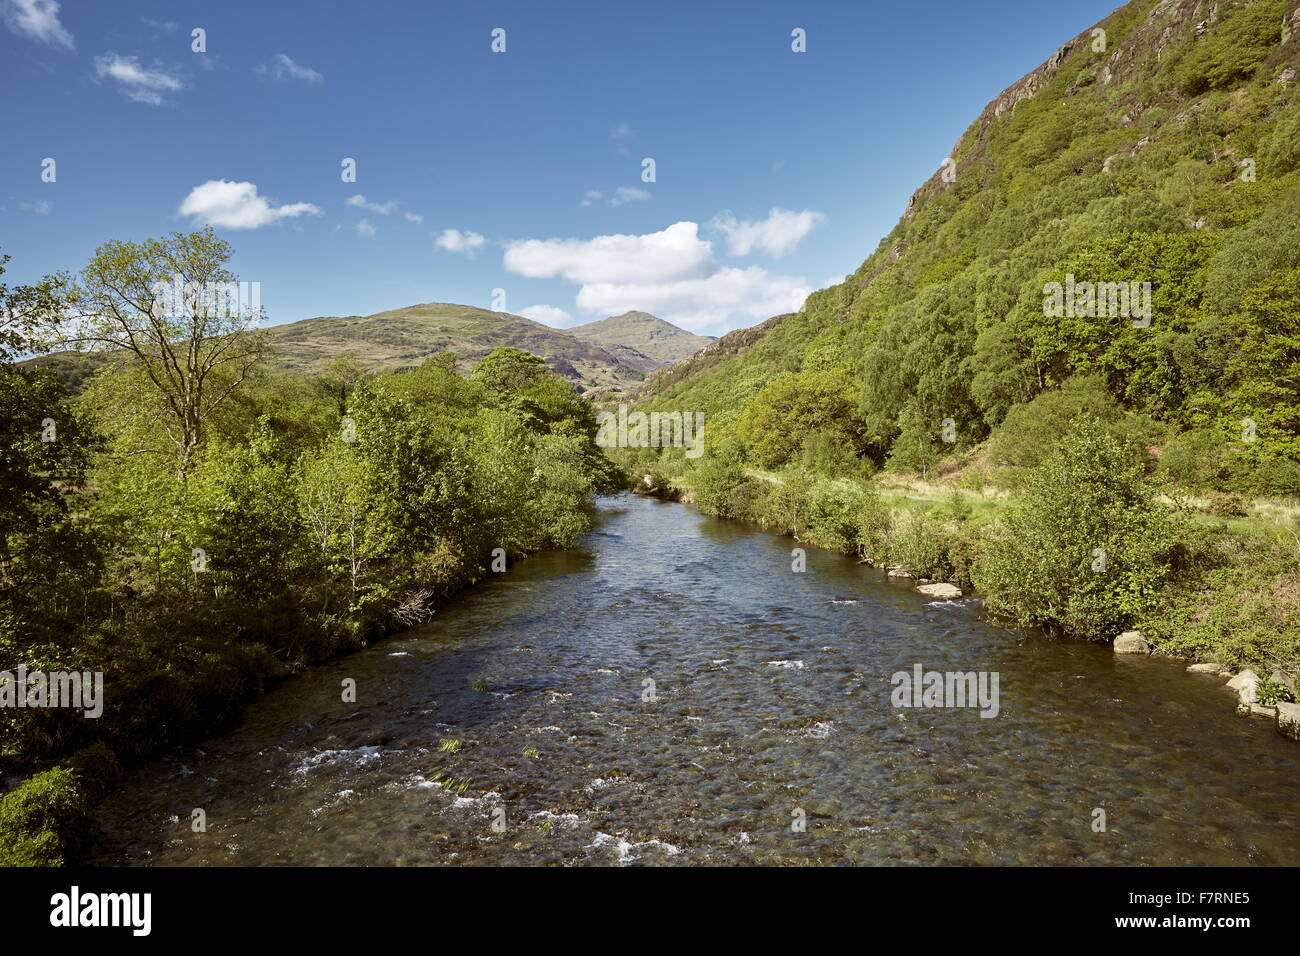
x: 1227, y: 504
x: 46, y: 820
x: 1089, y: 547
x: 1269, y: 692
x: 919, y: 543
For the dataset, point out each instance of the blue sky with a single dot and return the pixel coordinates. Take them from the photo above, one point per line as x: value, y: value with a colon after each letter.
x: 775, y: 172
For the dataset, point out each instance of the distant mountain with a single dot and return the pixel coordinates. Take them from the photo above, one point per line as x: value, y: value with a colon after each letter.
x: 641, y: 340
x: 402, y: 338
x: 613, y: 354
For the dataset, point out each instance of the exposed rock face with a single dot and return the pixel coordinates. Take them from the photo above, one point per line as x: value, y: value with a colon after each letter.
x: 1288, y: 720
x: 1131, y: 642
x: 947, y: 592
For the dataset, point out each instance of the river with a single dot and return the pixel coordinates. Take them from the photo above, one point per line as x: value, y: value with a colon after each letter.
x: 766, y: 736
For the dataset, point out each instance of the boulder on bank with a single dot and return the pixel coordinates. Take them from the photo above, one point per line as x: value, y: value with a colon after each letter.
x: 1288, y: 720
x: 1131, y: 642
x: 946, y: 592
x: 1243, y: 685
x: 897, y: 572
x: 1211, y: 668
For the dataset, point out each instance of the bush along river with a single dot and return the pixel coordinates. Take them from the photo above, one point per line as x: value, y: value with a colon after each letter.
x: 671, y: 692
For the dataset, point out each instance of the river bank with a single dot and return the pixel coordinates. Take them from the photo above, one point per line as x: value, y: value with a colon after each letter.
x: 1230, y: 610
x: 670, y: 692
x: 46, y: 813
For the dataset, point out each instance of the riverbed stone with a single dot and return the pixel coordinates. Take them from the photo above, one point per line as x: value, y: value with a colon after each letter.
x: 1210, y: 667
x: 897, y: 572
x: 1131, y: 642
x: 1243, y: 685
x: 1288, y: 720
x: 946, y: 592
x: 1263, y: 710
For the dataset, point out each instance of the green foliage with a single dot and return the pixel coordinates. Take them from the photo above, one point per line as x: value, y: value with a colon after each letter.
x: 1271, y: 692
x: 45, y: 820
x: 1238, y: 42
x: 1088, y: 549
x: 782, y: 416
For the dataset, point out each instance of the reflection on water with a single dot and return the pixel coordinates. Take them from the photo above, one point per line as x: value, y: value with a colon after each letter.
x: 529, y: 702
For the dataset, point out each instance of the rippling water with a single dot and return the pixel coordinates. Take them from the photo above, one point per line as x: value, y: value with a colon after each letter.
x: 770, y: 699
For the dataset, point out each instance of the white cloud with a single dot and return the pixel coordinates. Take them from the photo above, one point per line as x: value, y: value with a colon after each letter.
x: 383, y: 208
x: 626, y: 194
x: 413, y: 217
x: 230, y: 205
x: 453, y: 240
x: 547, y: 315
x: 833, y: 280
x: 37, y: 19
x: 591, y: 196
x: 365, y: 230
x: 776, y: 235
x: 281, y: 66
x: 41, y: 207
x: 138, y: 83
x: 752, y: 293
x: 670, y: 273
x: 674, y: 253
x: 167, y: 26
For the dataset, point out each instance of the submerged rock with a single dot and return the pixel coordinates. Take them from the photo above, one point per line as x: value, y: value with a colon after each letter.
x: 947, y: 592
x: 1131, y: 642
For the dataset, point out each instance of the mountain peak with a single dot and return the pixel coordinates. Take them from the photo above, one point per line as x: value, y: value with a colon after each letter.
x: 641, y: 340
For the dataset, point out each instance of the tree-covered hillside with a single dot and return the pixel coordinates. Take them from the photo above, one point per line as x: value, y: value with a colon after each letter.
x: 1164, y: 150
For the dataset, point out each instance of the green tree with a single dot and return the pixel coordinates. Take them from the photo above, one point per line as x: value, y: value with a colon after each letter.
x: 182, y: 343
x: 793, y: 407
x: 1088, y: 548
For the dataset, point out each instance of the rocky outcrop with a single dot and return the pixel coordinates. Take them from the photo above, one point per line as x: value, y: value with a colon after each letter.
x: 1131, y: 642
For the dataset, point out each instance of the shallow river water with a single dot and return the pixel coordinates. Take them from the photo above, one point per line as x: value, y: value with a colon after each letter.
x: 766, y: 736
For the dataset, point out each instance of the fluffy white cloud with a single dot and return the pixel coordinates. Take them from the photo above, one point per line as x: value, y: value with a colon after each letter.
x: 383, y: 208
x: 365, y: 230
x: 547, y: 315
x: 413, y: 217
x: 37, y: 19
x: 138, y: 83
x: 751, y: 293
x: 626, y: 194
x: 230, y: 205
x: 591, y: 196
x: 674, y: 253
x: 776, y: 235
x: 282, y: 67
x: 670, y: 273
x: 453, y: 240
